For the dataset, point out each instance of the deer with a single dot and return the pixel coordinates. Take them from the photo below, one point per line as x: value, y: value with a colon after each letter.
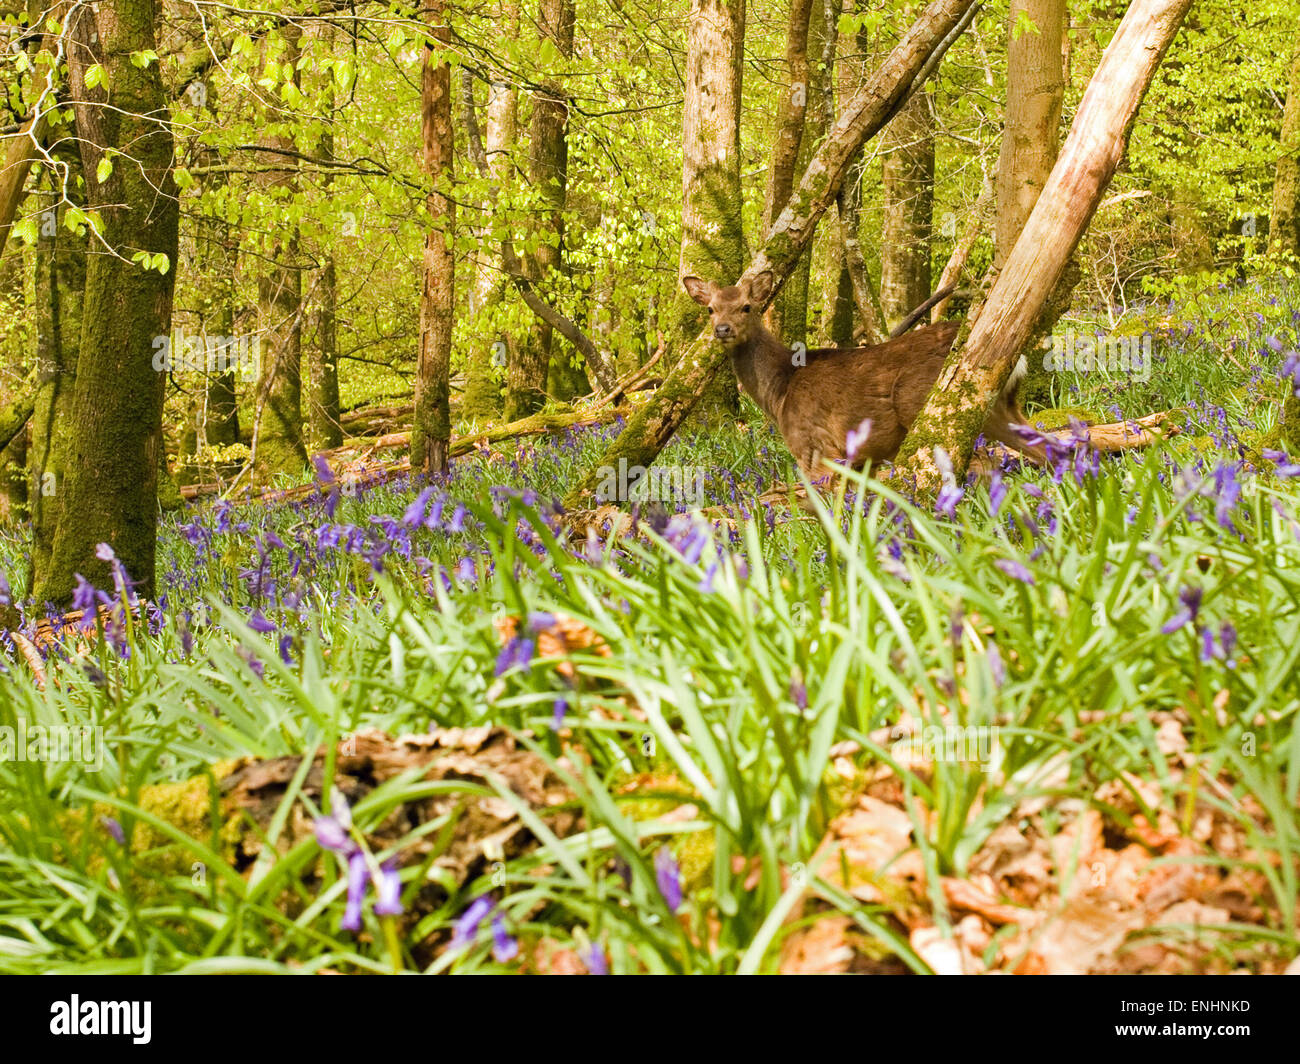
x: 824, y: 400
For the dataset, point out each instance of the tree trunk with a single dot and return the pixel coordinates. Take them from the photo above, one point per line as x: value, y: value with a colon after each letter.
x: 324, y: 430
x: 431, y: 428
x: 976, y: 371
x: 482, y: 395
x: 1284, y: 223
x: 908, y: 182
x: 789, y: 316
x: 1030, y: 138
x: 790, y: 118
x: 110, y: 491
x: 60, y: 291
x: 278, y: 444
x: 905, y: 69
x: 548, y: 167
x: 713, y: 236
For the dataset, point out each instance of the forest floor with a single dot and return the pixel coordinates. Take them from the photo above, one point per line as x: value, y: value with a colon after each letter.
x: 1053, y: 728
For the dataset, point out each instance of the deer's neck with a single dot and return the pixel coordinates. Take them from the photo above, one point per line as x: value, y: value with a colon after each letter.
x: 764, y: 367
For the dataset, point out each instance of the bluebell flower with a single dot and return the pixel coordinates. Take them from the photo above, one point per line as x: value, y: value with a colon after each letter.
x: 668, y: 877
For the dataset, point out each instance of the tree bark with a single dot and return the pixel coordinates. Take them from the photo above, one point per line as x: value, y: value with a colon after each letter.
x: 278, y: 443
x: 548, y: 168
x: 1030, y: 139
x: 788, y: 317
x: 905, y: 68
x: 973, y: 377
x: 1284, y: 223
x: 111, y: 485
x: 60, y: 291
x: 713, y: 236
x: 482, y: 394
x: 324, y: 430
x: 790, y: 118
x: 431, y: 428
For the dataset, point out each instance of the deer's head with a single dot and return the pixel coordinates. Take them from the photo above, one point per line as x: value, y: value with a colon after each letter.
x: 736, y: 311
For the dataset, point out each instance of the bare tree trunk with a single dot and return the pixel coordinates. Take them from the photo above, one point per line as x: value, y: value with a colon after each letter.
x: 713, y: 237
x: 110, y: 493
x: 278, y: 444
x: 431, y: 428
x: 912, y: 60
x: 482, y: 395
x: 1030, y: 139
x: 908, y: 181
x: 548, y: 166
x: 973, y: 378
x: 324, y: 430
x: 1284, y: 223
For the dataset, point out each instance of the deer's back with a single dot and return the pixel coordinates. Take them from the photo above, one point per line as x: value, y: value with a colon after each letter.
x: 838, y: 389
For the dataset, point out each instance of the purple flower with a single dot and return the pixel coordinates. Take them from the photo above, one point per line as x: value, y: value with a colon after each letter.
x: 1190, y: 597
x: 561, y: 708
x: 333, y: 835
x: 1227, y: 492
x: 415, y: 512
x: 997, y: 492
x: 258, y: 623
x: 997, y: 668
x: 798, y: 692
x: 668, y: 877
x: 1228, y: 638
x: 519, y: 651
x: 323, y: 470
x: 1285, y: 467
x: 358, y: 877
x: 595, y: 960
x: 946, y: 504
x: 1015, y: 570
x: 504, y: 947
x: 389, y: 890
x: 466, y: 928
x: 114, y: 828
x: 857, y: 439
x: 540, y: 622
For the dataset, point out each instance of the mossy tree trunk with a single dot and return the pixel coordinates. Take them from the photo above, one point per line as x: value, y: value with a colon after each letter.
x: 1284, y: 222
x: 713, y: 235
x: 1030, y: 141
x: 278, y: 443
x: 110, y: 490
x: 431, y: 427
x: 60, y: 261
x: 548, y: 171
x: 903, y: 70
x: 976, y: 371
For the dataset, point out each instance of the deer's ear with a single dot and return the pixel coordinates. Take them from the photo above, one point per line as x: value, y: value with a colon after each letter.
x: 699, y: 290
x: 760, y: 288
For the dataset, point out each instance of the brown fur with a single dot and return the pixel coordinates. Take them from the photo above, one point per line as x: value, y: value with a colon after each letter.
x: 815, y: 405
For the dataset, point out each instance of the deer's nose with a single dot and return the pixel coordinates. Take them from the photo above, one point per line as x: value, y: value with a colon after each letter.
x: 722, y: 330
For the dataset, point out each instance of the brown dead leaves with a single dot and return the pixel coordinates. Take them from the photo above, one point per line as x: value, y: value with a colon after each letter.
x: 1130, y: 882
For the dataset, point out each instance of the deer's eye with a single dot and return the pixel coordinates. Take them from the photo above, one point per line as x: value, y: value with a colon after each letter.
x: 710, y: 310
x: 746, y: 308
